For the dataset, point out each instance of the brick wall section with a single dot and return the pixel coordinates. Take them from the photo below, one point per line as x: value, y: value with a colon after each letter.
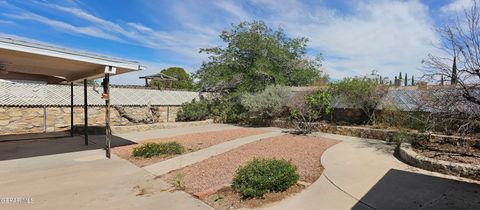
x: 17, y: 120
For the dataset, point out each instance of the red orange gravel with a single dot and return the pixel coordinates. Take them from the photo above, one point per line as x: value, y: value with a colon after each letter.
x: 191, y: 142
x: 303, y: 151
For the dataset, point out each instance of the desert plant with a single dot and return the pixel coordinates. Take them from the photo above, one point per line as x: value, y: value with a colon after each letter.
x: 194, y: 110
x: 314, y: 107
x: 392, y: 116
x: 178, y: 182
x: 404, y: 137
x: 157, y: 149
x: 228, y: 109
x: 269, y: 103
x: 261, y: 176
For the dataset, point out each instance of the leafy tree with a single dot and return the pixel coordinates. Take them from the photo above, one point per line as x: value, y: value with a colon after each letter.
x: 255, y: 56
x: 184, y: 81
x: 361, y: 93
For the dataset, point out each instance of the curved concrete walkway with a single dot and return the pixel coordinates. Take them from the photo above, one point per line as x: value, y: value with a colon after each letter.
x: 364, y: 174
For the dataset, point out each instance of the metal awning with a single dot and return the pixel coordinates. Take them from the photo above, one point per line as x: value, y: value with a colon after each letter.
x: 32, y: 61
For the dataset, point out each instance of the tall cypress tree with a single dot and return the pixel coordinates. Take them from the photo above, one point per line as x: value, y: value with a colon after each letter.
x: 441, y: 80
x: 406, y: 80
x: 454, y: 71
x: 413, y: 81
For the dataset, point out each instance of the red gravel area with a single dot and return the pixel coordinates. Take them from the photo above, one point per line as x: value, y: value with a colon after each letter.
x: 191, y: 142
x: 303, y: 151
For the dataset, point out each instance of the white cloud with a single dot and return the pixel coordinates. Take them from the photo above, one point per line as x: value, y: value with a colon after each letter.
x: 140, y: 27
x: 90, y: 31
x: 389, y: 36
x: 233, y: 8
x: 457, y: 6
x: 184, y: 43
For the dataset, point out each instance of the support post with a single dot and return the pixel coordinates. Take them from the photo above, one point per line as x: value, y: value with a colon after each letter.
x: 108, y: 132
x: 71, y: 109
x: 85, y: 110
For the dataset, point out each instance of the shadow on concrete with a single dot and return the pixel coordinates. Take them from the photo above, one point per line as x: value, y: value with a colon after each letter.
x: 378, y: 145
x: 31, y: 136
x: 33, y: 147
x: 406, y: 190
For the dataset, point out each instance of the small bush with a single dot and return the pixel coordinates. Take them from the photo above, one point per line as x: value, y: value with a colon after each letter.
x: 156, y: 149
x: 228, y: 109
x: 404, y: 137
x: 269, y: 104
x: 194, y: 110
x: 225, y: 109
x: 313, y: 108
x: 261, y: 176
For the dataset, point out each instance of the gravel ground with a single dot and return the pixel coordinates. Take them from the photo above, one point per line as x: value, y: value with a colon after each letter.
x: 191, y: 142
x: 303, y: 151
x: 449, y: 152
x: 450, y: 157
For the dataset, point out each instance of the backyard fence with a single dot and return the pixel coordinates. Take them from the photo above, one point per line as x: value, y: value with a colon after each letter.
x: 39, y: 107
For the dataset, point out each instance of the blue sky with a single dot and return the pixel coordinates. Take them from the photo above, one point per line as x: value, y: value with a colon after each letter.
x: 354, y: 36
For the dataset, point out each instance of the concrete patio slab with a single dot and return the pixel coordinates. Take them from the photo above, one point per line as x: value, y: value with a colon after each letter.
x: 86, y: 180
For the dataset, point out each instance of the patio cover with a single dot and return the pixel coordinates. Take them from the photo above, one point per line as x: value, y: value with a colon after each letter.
x: 22, y: 60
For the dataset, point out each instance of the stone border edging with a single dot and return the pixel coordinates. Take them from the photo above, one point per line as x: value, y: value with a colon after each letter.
x: 408, y: 155
x: 373, y: 133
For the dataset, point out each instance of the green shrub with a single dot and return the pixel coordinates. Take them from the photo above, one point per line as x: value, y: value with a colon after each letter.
x: 225, y: 109
x: 156, y: 149
x: 228, y: 109
x: 261, y: 176
x: 404, y: 137
x: 314, y: 107
x: 194, y: 110
x: 268, y: 104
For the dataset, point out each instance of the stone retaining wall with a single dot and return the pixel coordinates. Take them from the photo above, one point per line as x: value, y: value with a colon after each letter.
x: 18, y: 120
x: 458, y: 169
x: 374, y: 133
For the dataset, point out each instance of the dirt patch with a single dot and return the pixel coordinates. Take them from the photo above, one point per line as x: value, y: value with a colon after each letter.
x: 226, y: 198
x: 303, y: 151
x: 460, y: 153
x: 191, y: 142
